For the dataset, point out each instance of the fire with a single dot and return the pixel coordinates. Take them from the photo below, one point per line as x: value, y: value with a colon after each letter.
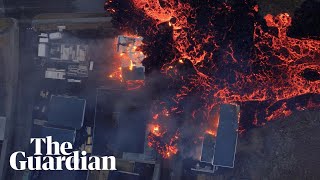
x: 213, y: 133
x: 156, y: 130
x: 128, y: 57
x: 154, y: 140
x: 116, y: 75
x: 214, y: 52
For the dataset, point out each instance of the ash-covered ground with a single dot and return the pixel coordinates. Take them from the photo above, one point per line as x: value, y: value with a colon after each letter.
x: 284, y: 149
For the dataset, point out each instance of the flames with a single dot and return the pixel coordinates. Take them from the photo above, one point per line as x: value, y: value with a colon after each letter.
x: 212, y: 53
x: 128, y: 56
x: 156, y: 130
x: 157, y: 133
x: 213, y: 133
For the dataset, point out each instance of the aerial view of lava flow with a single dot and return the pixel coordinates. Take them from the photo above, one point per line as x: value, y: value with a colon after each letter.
x: 203, y: 53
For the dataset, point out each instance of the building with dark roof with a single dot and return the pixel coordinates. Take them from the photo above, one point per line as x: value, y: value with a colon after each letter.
x: 227, y: 135
x: 121, y: 175
x: 208, y: 146
x: 61, y: 175
x: 120, y: 122
x: 66, y: 112
x: 219, y: 150
x: 129, y: 170
x: 59, y: 135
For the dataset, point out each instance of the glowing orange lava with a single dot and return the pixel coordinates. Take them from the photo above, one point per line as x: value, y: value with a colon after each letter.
x: 217, y: 74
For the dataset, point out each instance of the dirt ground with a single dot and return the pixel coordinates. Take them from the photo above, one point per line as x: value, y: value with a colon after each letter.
x: 285, y: 149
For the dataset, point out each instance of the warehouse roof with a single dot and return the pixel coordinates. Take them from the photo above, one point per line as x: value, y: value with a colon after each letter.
x: 66, y: 111
x: 119, y: 123
x: 59, y: 135
x: 220, y: 150
x: 227, y: 135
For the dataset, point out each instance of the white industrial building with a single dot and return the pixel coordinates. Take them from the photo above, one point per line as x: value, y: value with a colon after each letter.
x: 73, y: 56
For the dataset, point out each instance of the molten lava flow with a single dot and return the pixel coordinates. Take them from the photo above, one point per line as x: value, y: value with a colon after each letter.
x: 173, y: 12
x: 291, y: 57
x: 211, y: 53
x: 155, y: 140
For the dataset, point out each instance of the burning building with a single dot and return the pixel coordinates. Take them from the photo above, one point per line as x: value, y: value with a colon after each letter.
x: 219, y: 149
x: 131, y: 58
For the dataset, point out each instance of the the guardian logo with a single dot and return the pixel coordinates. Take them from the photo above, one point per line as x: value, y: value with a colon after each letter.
x: 59, y: 157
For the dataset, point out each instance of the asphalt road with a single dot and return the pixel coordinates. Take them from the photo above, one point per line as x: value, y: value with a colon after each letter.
x: 30, y: 8
x: 1, y: 9
x: 9, y: 52
x: 28, y: 85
